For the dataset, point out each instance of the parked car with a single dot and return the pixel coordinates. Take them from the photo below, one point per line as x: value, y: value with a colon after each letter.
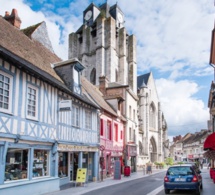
x: 183, y: 177
x: 194, y: 165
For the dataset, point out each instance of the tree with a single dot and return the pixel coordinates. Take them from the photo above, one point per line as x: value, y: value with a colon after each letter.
x: 169, y: 161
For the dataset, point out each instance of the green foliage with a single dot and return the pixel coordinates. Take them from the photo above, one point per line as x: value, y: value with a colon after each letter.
x: 180, y: 163
x: 169, y: 161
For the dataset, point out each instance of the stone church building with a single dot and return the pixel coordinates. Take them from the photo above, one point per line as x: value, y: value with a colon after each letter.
x: 105, y: 48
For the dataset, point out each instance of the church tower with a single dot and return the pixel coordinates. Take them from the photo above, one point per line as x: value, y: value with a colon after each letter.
x: 104, y: 47
x: 108, y: 54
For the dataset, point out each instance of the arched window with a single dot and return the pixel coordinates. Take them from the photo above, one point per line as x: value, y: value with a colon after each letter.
x: 152, y: 116
x: 93, y: 76
x: 116, y: 75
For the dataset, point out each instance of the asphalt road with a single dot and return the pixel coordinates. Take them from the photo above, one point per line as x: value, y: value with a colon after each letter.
x: 143, y: 186
x: 153, y: 185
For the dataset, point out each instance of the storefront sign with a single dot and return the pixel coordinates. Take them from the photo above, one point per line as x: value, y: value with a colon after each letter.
x: 62, y: 147
x: 132, y: 150
x: 81, y: 175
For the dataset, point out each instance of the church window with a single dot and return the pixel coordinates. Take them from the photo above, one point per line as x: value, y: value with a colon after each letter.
x: 116, y: 76
x: 152, y: 116
x: 93, y: 76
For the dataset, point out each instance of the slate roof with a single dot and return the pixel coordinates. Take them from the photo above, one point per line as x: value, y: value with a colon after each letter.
x: 142, y: 80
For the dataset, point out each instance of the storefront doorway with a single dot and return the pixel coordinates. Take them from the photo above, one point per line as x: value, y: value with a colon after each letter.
x: 73, y: 165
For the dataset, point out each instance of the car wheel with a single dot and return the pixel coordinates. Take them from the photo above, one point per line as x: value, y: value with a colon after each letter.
x: 198, y: 191
x: 201, y: 187
x: 167, y: 191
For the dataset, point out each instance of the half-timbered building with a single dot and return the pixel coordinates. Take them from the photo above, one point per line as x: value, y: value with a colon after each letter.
x: 48, y: 128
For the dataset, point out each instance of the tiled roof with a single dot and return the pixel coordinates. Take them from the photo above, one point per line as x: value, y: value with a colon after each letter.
x: 32, y: 56
x: 15, y: 41
x: 96, y: 96
x: 29, y: 30
x: 196, y: 137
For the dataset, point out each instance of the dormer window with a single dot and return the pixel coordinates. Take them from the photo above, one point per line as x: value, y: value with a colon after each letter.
x: 76, y: 79
x: 69, y: 72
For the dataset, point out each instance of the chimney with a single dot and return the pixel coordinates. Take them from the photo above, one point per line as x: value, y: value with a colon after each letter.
x: 103, y: 84
x: 13, y: 18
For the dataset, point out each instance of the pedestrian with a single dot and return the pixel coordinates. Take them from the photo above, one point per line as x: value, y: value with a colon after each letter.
x: 209, y: 165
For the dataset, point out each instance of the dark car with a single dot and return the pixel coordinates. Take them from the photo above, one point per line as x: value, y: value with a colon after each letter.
x: 182, y: 177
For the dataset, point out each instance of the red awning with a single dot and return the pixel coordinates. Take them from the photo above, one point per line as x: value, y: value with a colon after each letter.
x: 210, y: 154
x: 210, y: 142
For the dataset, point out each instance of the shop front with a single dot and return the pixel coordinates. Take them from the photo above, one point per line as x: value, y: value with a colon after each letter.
x: 72, y: 157
x: 25, y: 165
x: 132, y: 157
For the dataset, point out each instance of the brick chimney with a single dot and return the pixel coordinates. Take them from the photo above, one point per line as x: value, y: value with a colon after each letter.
x: 13, y: 18
x: 103, y: 84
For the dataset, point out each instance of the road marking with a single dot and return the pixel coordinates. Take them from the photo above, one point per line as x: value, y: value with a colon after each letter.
x: 157, y: 190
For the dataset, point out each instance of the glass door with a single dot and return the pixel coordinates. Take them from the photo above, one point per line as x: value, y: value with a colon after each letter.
x: 71, y: 167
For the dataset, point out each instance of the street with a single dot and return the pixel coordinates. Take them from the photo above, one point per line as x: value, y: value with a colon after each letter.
x: 152, y: 185
x: 141, y: 186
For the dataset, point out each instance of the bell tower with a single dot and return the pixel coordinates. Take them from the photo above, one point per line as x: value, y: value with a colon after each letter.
x: 104, y: 47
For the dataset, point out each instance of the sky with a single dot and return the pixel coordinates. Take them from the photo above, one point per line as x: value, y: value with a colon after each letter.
x: 173, y: 42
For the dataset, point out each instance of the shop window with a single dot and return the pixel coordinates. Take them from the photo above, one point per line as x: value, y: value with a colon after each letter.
x: 16, y: 164
x: 40, y: 163
x: 5, y: 92
x: 63, y: 164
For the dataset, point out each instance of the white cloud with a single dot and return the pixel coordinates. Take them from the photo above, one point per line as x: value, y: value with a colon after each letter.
x: 184, y: 113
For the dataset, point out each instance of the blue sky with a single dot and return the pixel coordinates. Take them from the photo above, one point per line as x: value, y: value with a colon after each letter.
x: 173, y: 42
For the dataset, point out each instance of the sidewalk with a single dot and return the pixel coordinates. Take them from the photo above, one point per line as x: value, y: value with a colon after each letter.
x: 105, y: 183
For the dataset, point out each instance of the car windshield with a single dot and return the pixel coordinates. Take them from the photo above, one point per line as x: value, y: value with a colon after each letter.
x: 182, y: 171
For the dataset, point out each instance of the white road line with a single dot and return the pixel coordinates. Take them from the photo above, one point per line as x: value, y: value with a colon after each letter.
x: 157, y: 190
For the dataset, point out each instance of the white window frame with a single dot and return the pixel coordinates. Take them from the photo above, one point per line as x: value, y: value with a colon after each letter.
x: 75, y: 116
x: 88, y: 121
x: 9, y: 110
x: 76, y: 79
x: 37, y: 102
